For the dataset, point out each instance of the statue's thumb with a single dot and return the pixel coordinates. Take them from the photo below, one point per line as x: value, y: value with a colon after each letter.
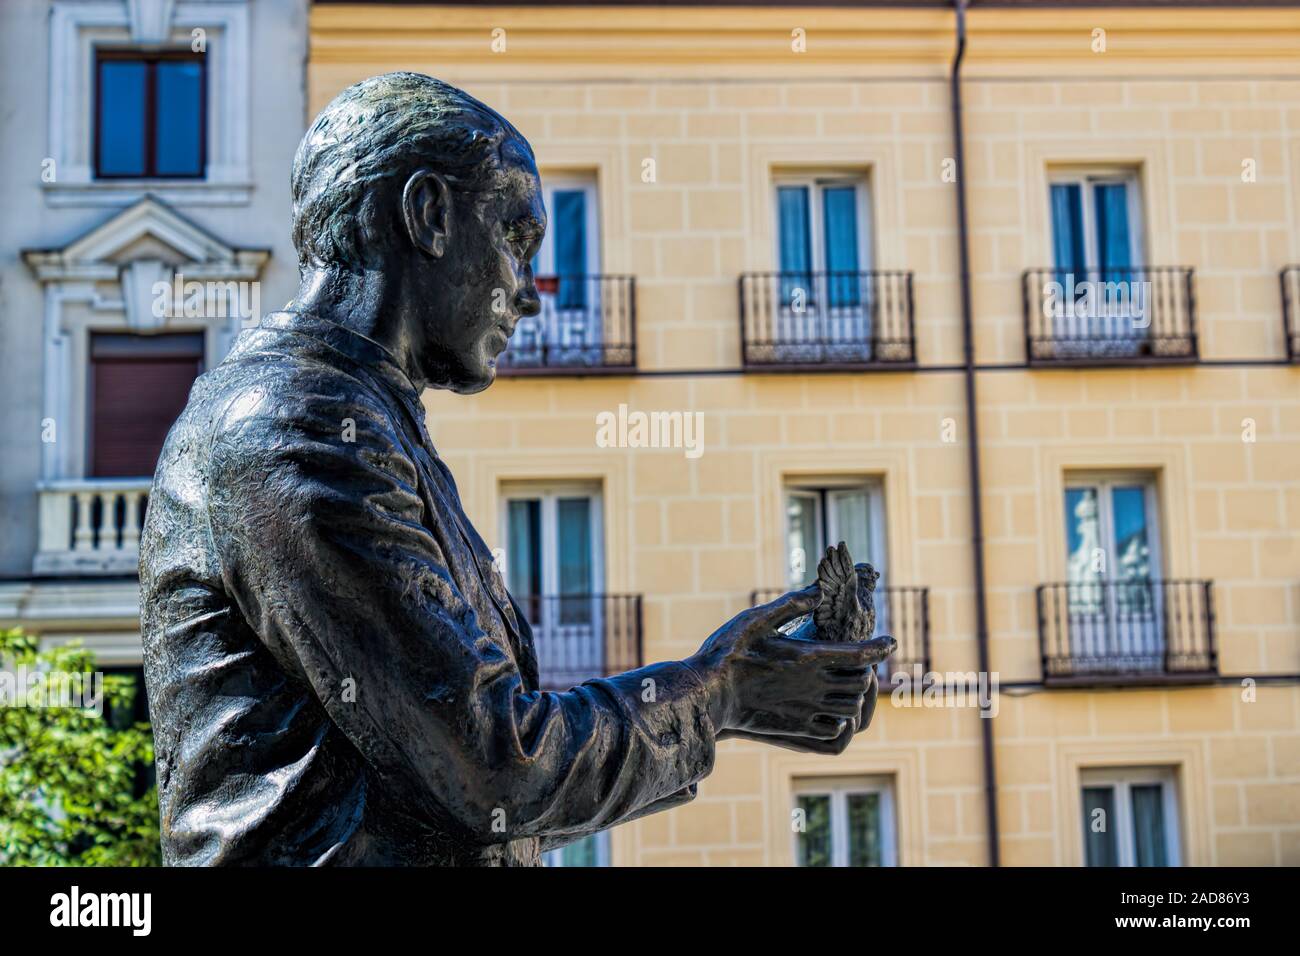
x: 796, y: 604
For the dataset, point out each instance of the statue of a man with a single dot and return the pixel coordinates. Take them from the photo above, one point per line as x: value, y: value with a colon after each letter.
x: 336, y: 672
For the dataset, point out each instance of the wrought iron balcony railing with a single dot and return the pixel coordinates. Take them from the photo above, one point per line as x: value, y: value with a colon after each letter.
x: 1111, y: 316
x: 587, y: 326
x: 1131, y: 631
x: 1290, y: 277
x: 581, y: 636
x: 826, y: 320
x: 90, y: 525
x: 901, y: 612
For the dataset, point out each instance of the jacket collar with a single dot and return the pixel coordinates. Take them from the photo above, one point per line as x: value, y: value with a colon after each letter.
x: 362, y: 350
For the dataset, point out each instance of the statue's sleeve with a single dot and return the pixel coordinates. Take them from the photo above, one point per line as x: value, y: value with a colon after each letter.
x: 317, y: 522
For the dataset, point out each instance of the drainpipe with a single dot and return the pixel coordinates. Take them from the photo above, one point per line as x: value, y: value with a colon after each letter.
x: 973, y: 442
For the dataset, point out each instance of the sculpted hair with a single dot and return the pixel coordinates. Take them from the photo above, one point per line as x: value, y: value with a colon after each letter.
x: 355, y: 159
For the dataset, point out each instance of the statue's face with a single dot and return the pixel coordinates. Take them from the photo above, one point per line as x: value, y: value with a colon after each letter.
x: 484, y: 279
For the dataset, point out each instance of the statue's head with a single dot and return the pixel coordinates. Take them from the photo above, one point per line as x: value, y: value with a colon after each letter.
x: 408, y: 176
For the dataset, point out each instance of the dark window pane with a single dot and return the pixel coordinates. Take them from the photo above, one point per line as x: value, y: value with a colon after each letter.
x: 122, y: 85
x: 815, y: 840
x: 1149, y: 825
x: 864, y: 830
x: 179, y: 123
x: 1099, y: 826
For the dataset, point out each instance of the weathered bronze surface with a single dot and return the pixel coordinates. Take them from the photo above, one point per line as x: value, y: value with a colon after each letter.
x: 336, y: 672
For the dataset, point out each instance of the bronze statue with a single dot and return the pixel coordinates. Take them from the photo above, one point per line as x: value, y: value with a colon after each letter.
x: 336, y: 672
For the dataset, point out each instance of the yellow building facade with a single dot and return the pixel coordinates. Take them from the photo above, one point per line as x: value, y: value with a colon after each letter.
x: 1139, y: 505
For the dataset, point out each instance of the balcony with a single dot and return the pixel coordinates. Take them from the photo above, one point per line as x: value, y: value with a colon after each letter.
x: 1113, y: 316
x: 1127, y: 632
x: 581, y: 636
x: 1290, y: 277
x: 903, y: 613
x: 90, y: 526
x: 826, y: 321
x: 587, y: 326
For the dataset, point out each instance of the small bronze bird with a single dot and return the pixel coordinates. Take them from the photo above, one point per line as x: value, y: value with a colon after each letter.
x: 847, y: 612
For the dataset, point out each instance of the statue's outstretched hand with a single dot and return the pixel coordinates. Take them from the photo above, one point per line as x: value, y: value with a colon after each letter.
x: 810, y: 695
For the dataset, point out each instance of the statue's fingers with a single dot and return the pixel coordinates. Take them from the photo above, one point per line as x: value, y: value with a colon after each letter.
x: 789, y: 606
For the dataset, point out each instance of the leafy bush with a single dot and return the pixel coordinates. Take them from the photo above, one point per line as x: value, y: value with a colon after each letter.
x: 71, y: 788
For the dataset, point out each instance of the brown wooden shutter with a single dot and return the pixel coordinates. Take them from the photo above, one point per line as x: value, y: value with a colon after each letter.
x: 138, y: 386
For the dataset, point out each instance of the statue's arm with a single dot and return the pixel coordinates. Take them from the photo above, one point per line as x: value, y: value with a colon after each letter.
x: 322, y: 545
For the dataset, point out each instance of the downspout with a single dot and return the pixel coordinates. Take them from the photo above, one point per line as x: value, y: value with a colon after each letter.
x: 973, y: 442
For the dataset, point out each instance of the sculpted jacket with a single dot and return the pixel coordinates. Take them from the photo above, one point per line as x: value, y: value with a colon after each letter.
x: 336, y: 672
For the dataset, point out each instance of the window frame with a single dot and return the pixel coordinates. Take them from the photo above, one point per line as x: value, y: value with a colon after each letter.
x: 1121, y: 780
x: 1086, y: 177
x: 822, y: 490
x: 549, y: 494
x: 151, y: 59
x: 571, y: 182
x: 1105, y: 482
x: 816, y: 182
x: 839, y: 788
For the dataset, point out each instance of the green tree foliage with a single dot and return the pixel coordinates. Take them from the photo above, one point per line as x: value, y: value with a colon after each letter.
x: 69, y: 777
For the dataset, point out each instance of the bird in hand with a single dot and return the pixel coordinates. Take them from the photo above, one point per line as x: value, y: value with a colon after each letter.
x: 847, y: 611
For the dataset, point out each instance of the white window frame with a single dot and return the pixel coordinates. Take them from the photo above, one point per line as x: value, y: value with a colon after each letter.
x: 816, y: 183
x: 1087, y: 177
x: 1122, y: 780
x: 1105, y: 482
x: 549, y: 493
x: 571, y: 182
x: 814, y: 489
x: 77, y: 28
x: 839, y: 789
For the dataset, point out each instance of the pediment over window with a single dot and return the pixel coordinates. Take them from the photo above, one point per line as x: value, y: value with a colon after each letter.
x: 148, y: 231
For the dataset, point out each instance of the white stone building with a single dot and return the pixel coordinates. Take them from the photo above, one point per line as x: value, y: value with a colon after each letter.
x: 144, y: 145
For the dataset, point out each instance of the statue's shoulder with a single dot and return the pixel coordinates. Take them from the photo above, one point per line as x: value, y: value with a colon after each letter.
x: 270, y: 403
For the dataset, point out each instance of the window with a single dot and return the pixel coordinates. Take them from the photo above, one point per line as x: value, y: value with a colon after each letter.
x: 570, y: 329
x: 139, y: 385
x: 554, y: 567
x: 591, y: 850
x: 1113, y: 569
x: 1130, y: 817
x: 844, y: 822
x: 150, y: 115
x: 821, y: 515
x: 1097, y: 253
x: 1096, y: 223
x: 822, y: 255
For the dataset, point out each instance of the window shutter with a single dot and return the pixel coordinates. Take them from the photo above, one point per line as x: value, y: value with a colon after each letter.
x: 139, y: 386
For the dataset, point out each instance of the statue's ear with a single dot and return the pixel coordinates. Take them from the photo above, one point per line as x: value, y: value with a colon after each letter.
x: 426, y: 210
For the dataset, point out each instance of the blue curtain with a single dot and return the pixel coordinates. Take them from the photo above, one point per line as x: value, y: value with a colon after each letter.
x: 1149, y: 826
x: 1113, y: 240
x: 840, y: 222
x: 574, y: 520
x: 569, y: 222
x: 795, y: 242
x: 1068, y: 249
